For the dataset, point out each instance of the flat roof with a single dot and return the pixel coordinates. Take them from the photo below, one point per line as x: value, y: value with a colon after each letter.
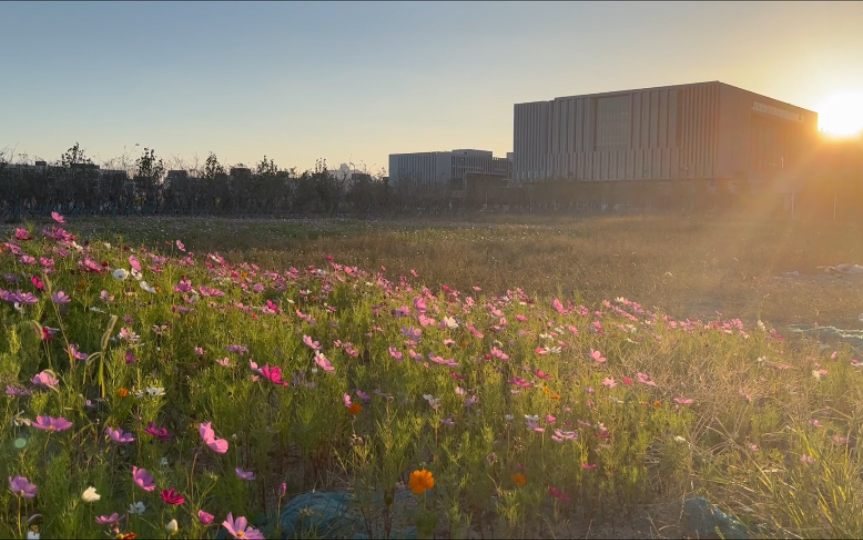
x: 616, y: 92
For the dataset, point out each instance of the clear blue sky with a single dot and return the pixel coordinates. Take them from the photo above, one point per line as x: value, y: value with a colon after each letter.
x: 360, y: 80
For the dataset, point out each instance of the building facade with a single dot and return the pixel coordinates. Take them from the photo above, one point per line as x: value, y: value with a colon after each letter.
x: 436, y: 169
x: 706, y: 130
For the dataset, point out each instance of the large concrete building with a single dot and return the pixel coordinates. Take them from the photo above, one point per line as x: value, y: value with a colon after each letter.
x: 435, y: 169
x: 706, y: 130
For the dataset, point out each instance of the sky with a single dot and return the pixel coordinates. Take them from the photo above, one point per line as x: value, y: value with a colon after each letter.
x: 353, y: 82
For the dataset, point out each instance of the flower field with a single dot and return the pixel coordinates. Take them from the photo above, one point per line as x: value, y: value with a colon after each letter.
x: 168, y: 393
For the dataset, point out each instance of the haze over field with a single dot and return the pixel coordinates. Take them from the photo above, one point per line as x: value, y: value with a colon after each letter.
x: 354, y: 82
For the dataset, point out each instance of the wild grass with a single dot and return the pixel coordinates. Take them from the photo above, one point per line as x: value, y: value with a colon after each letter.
x: 513, y: 367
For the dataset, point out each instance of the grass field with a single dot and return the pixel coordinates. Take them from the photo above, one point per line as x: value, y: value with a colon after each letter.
x: 731, y: 264
x: 507, y: 377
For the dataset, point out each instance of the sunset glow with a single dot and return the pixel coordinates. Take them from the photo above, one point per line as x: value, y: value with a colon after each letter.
x: 841, y: 115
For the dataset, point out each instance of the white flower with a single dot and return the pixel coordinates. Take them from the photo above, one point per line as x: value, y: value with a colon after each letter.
x: 146, y: 286
x: 761, y: 326
x: 137, y: 508
x: 137, y: 275
x: 32, y: 535
x: 90, y: 495
x: 107, y: 245
x: 508, y: 417
x: 155, y: 391
x: 530, y: 418
x: 679, y: 439
x: 163, y: 462
x: 120, y: 274
x: 450, y: 323
x: 171, y: 526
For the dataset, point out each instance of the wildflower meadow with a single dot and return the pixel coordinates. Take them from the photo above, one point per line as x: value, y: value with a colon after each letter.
x: 159, y: 393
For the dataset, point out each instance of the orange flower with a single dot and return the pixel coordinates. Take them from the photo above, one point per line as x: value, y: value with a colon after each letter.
x: 127, y: 536
x: 421, y: 481
x: 355, y: 408
x: 123, y: 392
x: 519, y: 479
x: 555, y: 397
x: 657, y: 404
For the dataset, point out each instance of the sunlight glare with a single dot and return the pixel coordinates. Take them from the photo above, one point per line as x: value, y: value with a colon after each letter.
x: 841, y: 115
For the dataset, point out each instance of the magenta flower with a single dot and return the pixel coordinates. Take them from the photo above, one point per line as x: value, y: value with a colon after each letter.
x: 118, y: 436
x: 51, y: 424
x: 158, y: 432
x: 203, y: 517
x: 396, y: 354
x: 109, y: 520
x: 273, y: 374
x: 57, y: 217
x: 46, y: 379
x: 220, y: 446
x: 238, y: 528
x: 22, y: 487
x: 23, y: 234
x: 143, y: 479
x: 170, y: 496
x: 245, y: 475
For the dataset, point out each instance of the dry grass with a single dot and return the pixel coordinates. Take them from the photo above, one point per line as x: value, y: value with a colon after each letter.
x: 689, y: 266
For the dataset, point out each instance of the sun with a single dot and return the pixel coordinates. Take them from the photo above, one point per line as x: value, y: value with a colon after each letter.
x: 841, y: 115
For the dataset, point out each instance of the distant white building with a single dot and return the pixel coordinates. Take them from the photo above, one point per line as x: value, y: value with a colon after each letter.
x: 433, y: 169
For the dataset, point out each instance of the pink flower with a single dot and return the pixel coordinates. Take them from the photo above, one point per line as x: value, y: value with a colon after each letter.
x: 245, y: 475
x: 118, y: 436
x: 57, y: 217
x: 315, y: 345
x: 627, y: 381
x: 182, y: 248
x: 220, y: 446
x: 683, y: 401
x: 109, y: 520
x: 557, y: 494
x: 203, y: 517
x: 143, y: 479
x: 396, y: 354
x: 644, y: 379
x: 74, y: 353
x: 322, y: 361
x: 170, y: 496
x: 238, y: 528
x: 60, y: 298
x: 587, y: 466
x: 45, y: 379
x: 22, y: 487
x: 815, y: 423
x: 51, y: 424
x: 808, y: 460
x: 608, y: 382
x: 597, y: 356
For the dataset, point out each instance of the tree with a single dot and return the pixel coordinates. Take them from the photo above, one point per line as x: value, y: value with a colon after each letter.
x: 149, y: 173
x: 74, y: 156
x: 212, y: 167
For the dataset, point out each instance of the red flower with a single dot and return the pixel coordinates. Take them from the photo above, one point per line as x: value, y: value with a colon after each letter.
x: 172, y: 497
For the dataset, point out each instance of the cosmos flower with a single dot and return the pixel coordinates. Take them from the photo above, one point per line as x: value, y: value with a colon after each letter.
x: 421, y: 481
x: 21, y: 487
x: 239, y: 528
